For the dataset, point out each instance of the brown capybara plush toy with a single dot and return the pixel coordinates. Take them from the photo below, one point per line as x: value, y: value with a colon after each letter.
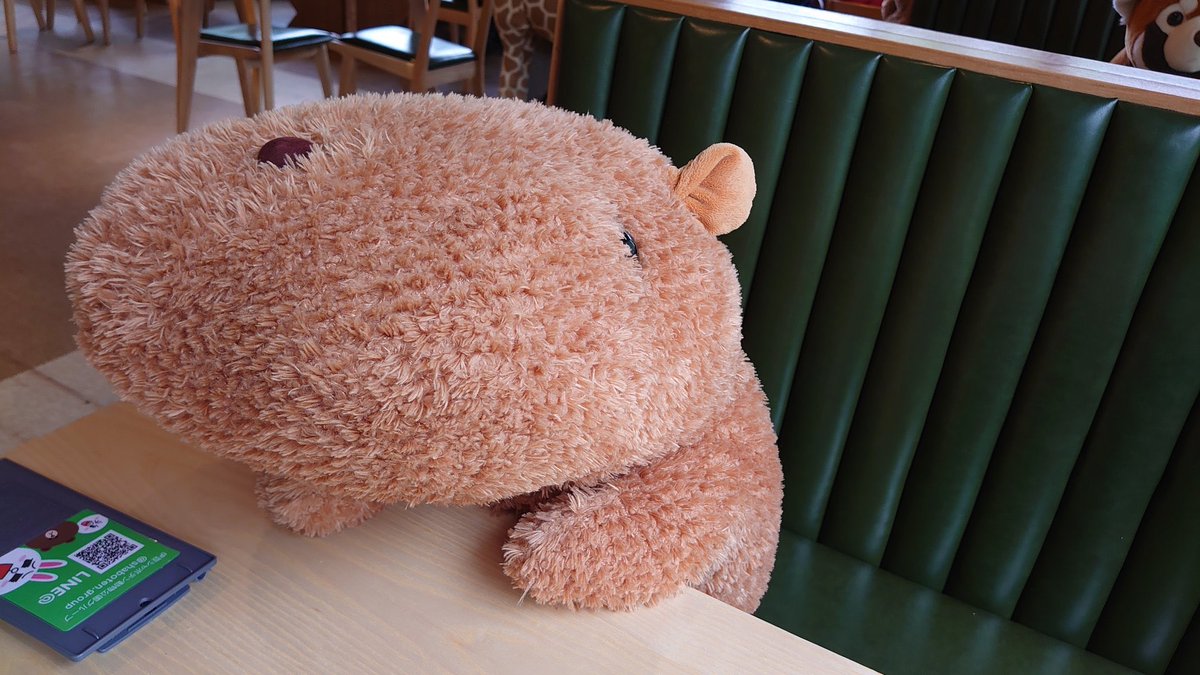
x: 448, y: 300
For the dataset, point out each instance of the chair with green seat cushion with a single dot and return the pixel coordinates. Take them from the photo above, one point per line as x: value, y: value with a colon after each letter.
x: 255, y: 45
x: 973, y: 304
x: 461, y: 14
x: 415, y: 54
x: 401, y: 43
x: 282, y: 37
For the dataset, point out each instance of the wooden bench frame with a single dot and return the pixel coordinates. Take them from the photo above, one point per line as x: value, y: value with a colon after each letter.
x: 1081, y: 75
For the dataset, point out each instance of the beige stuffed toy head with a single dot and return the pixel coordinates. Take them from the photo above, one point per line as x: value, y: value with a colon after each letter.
x: 427, y: 299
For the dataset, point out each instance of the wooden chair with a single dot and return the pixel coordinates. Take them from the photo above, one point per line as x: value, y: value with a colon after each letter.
x: 10, y: 22
x: 413, y: 53
x: 461, y: 14
x: 254, y: 45
x: 139, y: 8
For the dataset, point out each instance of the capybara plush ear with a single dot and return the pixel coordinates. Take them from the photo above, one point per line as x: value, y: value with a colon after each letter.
x: 718, y: 186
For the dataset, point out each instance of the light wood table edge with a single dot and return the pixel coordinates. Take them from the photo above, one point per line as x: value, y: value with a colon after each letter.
x: 436, y: 601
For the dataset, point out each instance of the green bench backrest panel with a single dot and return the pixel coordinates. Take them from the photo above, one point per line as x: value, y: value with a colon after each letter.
x: 974, y: 305
x: 1087, y: 28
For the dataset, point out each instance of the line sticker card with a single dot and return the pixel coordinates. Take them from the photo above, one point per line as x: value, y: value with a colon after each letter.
x: 77, y: 567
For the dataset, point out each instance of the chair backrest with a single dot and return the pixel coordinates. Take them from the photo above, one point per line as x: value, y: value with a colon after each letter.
x: 423, y: 17
x: 1087, y: 28
x: 972, y: 284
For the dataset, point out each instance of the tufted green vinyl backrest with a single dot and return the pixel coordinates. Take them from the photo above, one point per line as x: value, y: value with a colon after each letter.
x: 1087, y: 28
x: 973, y: 303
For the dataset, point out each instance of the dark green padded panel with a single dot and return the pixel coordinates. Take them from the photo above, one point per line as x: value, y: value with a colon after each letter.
x: 594, y: 27
x: 764, y: 105
x: 976, y: 18
x: 702, y: 81
x: 809, y: 289
x: 1098, y: 21
x: 642, y: 70
x: 925, y: 13
x: 1159, y: 588
x: 1035, y: 24
x: 1043, y: 186
x: 1100, y: 34
x: 1006, y: 21
x: 1086, y: 28
x: 1155, y: 382
x: 893, y: 146
x: 976, y: 135
x: 1116, y: 39
x: 1187, y: 658
x: 1139, y: 178
x: 895, y: 626
x: 960, y: 18
x: 837, y: 82
x: 1064, y: 31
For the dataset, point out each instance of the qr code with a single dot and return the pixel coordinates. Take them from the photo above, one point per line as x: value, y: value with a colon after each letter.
x: 110, y: 549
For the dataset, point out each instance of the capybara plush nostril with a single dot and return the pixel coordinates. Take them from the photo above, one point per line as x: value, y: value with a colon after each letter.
x: 277, y: 151
x: 1196, y: 38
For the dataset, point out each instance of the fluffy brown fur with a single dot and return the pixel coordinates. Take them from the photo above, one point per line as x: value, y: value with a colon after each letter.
x: 435, y: 304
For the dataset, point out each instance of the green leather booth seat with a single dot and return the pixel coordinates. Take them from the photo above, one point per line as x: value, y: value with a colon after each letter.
x: 1086, y: 28
x: 974, y: 305
x: 894, y: 625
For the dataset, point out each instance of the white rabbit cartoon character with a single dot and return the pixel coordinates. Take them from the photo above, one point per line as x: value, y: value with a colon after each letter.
x: 23, y: 565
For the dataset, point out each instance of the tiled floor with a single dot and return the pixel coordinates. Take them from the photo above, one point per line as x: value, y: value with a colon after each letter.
x: 71, y: 115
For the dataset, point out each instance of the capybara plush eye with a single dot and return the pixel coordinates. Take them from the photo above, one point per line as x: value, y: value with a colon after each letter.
x: 277, y: 151
x: 627, y: 239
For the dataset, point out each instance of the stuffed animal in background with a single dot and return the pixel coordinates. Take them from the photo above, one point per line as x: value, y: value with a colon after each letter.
x: 443, y: 300
x: 518, y: 23
x: 897, y: 11
x: 1162, y: 35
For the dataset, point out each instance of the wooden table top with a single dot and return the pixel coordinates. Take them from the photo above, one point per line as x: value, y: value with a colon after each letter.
x: 412, y: 590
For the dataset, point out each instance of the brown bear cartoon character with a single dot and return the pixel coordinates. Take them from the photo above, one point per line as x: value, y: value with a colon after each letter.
x: 59, y: 534
x: 424, y: 299
x: 1162, y: 35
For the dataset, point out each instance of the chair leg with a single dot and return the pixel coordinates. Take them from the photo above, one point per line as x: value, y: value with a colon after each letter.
x: 39, y: 10
x: 105, y: 22
x: 417, y: 84
x: 139, y: 10
x: 256, y: 88
x: 84, y: 20
x: 268, y: 85
x: 476, y: 81
x: 346, y: 78
x: 249, y: 89
x: 324, y: 71
x: 10, y: 22
x: 50, y: 12
x: 186, y: 27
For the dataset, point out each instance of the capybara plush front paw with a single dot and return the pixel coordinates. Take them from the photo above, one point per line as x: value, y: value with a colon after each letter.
x: 301, y: 507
